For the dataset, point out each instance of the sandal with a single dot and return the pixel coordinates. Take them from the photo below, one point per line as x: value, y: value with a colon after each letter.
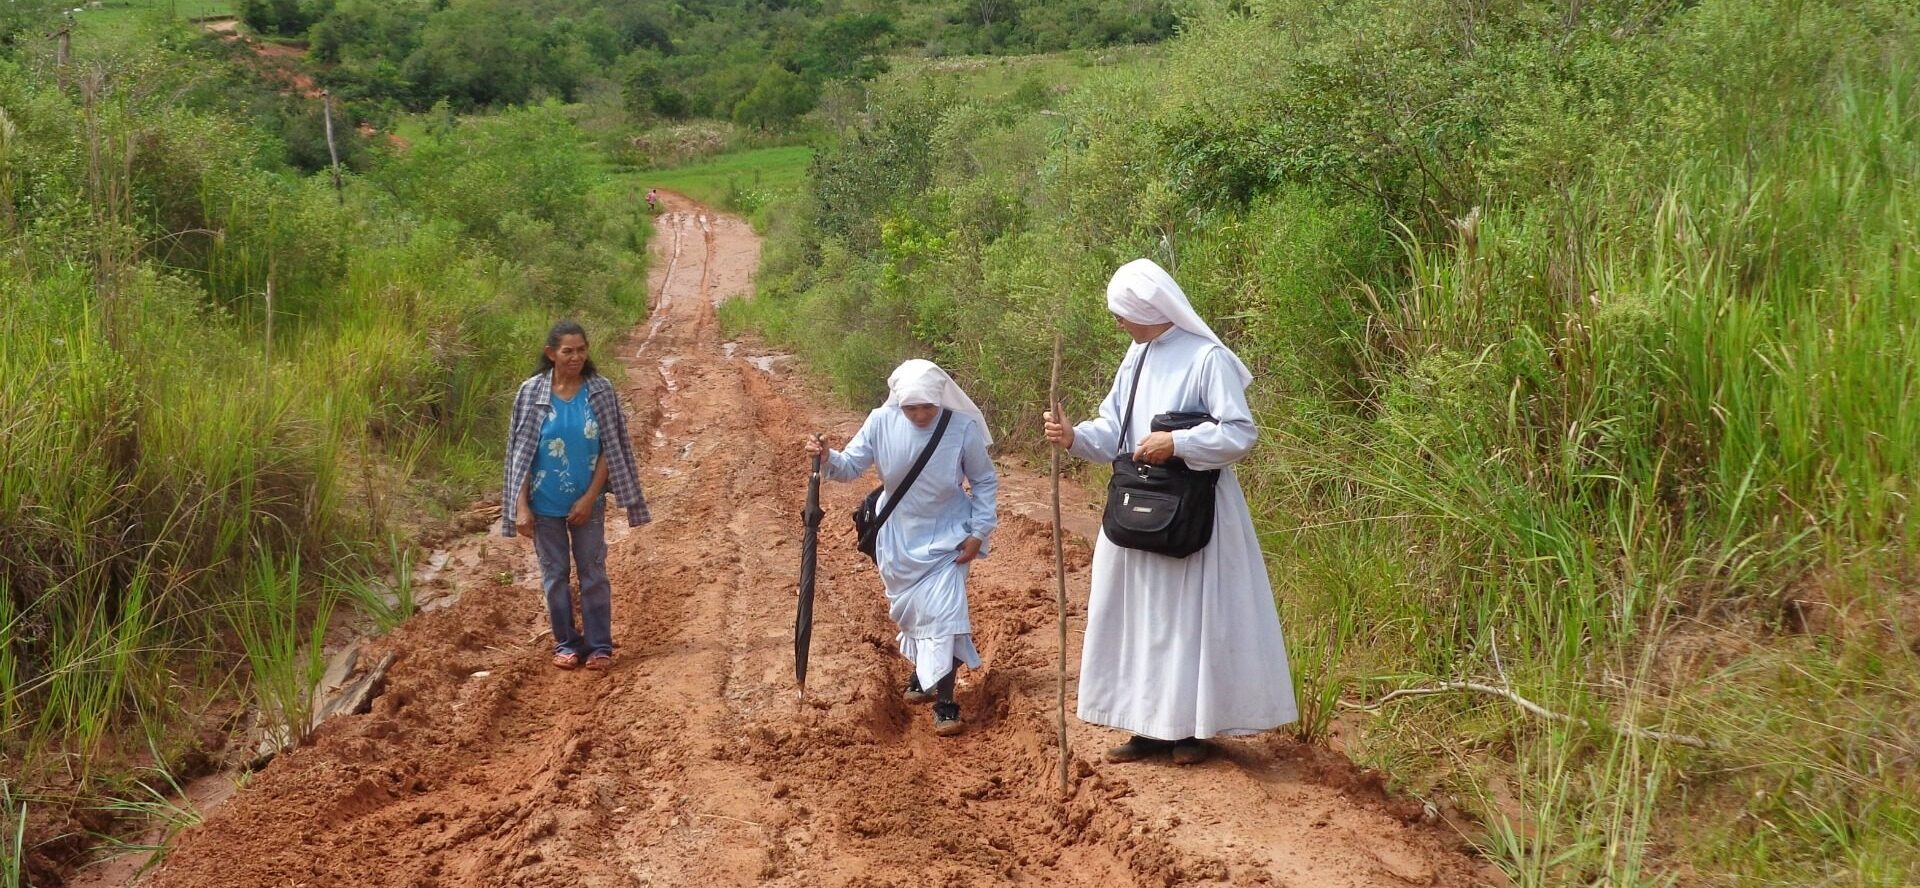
x: 600, y: 662
x: 566, y: 660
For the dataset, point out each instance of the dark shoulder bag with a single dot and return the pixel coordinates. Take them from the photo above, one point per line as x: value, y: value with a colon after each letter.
x: 866, y: 522
x: 1165, y: 509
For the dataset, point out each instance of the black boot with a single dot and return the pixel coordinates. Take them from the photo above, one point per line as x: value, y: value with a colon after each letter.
x: 946, y: 719
x: 946, y: 713
x: 1137, y: 748
x: 1191, y: 751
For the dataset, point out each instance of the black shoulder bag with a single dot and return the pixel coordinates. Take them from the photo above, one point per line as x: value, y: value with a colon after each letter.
x: 865, y: 522
x: 1165, y: 509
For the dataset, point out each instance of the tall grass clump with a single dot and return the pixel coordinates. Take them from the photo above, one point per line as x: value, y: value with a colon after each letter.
x: 214, y: 370
x: 1587, y: 373
x: 282, y: 629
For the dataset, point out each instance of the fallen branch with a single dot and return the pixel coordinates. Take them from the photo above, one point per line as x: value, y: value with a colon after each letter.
x: 1508, y: 695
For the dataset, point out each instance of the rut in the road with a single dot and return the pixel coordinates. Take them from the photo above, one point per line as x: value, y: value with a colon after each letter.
x: 693, y: 763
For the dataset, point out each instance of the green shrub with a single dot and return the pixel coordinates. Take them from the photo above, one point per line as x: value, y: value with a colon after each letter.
x: 215, y: 371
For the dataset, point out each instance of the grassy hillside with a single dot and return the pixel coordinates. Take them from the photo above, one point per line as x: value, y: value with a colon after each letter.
x: 743, y: 181
x: 1585, y: 337
x: 229, y: 394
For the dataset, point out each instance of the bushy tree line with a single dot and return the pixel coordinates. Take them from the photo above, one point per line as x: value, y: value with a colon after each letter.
x: 759, y: 64
x: 1585, y: 335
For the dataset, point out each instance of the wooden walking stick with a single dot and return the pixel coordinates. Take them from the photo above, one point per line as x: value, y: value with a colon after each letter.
x: 1059, y: 568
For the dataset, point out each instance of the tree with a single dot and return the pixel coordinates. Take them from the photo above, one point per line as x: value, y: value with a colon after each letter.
x: 777, y: 99
x: 848, y: 47
x: 493, y: 53
x: 647, y: 91
x: 274, y: 16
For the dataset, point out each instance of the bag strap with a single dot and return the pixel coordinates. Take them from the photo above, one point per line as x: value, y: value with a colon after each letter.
x: 913, y: 474
x: 1126, y: 423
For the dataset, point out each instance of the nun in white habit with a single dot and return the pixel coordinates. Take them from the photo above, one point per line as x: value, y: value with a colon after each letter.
x: 928, y: 544
x: 1178, y: 650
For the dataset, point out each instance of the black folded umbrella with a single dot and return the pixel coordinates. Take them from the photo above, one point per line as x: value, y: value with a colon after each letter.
x: 809, y: 546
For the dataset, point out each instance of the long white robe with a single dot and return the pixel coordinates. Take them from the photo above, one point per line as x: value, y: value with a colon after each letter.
x: 1184, y: 647
x: 926, y: 590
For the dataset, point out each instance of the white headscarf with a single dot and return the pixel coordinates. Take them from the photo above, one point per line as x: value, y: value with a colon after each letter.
x: 1142, y: 292
x: 923, y: 382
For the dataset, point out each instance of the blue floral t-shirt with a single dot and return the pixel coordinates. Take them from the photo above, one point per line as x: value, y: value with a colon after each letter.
x: 569, y: 452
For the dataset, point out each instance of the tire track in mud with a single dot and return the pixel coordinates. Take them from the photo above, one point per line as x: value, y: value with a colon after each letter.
x: 693, y: 761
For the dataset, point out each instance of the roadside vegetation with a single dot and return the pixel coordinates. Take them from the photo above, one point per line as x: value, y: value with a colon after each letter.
x: 230, y: 395
x: 746, y: 182
x: 1588, y: 372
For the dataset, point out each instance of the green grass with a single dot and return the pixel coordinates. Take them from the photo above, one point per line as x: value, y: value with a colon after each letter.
x: 119, y: 26
x: 744, y: 181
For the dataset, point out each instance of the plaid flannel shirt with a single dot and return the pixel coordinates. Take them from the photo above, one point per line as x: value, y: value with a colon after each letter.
x: 530, y: 408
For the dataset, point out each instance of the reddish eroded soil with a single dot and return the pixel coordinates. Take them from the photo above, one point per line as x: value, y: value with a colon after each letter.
x: 693, y: 762
x: 277, y: 62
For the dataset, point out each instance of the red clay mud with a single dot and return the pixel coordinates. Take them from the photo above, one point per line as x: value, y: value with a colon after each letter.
x: 692, y: 762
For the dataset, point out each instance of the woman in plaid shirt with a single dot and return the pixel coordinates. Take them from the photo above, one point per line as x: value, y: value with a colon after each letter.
x: 567, y: 444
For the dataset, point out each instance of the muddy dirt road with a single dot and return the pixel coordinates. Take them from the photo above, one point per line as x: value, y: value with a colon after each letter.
x: 693, y: 763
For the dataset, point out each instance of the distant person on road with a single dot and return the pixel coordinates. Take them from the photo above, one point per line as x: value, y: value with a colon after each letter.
x: 653, y: 199
x: 927, y: 546
x: 567, y: 442
x: 1178, y: 650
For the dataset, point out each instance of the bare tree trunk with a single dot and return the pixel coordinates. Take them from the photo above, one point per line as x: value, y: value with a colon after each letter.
x: 269, y: 335
x: 333, y: 154
x: 62, y: 52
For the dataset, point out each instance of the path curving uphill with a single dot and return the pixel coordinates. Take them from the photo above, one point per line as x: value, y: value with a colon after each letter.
x: 693, y: 763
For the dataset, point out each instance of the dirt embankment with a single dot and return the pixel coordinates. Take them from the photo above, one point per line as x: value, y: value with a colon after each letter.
x: 277, y: 63
x: 693, y: 763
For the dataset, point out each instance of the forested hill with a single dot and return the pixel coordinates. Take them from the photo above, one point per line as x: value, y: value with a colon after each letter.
x: 757, y: 62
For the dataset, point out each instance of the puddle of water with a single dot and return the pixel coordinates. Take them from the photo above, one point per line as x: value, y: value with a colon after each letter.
x: 666, y: 373
x: 201, y: 796
x: 766, y: 363
x: 666, y: 293
x: 428, y: 572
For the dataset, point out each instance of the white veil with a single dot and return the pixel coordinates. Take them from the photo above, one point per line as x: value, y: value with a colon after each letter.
x: 923, y: 382
x: 1142, y: 292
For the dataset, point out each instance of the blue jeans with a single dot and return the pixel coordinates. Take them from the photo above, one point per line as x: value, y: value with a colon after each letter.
x: 554, y: 541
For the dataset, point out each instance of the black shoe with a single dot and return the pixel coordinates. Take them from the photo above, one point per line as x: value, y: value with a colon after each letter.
x: 916, y: 693
x: 1137, y: 748
x: 946, y: 719
x: 1191, y: 751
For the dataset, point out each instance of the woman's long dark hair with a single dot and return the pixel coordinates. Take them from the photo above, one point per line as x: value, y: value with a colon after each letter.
x: 567, y: 327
